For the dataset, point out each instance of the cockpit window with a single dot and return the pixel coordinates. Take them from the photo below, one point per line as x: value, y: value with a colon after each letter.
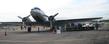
x: 36, y: 8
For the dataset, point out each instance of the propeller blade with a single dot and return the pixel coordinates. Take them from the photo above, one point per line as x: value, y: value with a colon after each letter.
x: 20, y: 17
x: 56, y: 14
x: 28, y: 16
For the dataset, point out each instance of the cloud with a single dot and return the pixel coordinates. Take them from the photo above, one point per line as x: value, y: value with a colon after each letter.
x: 50, y: 3
x: 86, y: 8
x: 10, y: 9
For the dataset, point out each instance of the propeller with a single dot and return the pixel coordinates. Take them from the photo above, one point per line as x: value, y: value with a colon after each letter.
x: 24, y: 20
x: 55, y: 14
x: 20, y: 17
x: 52, y: 20
x: 28, y: 16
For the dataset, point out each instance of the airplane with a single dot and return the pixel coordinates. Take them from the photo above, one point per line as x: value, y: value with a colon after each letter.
x: 42, y: 19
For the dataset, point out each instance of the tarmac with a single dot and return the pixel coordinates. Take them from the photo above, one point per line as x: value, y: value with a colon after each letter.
x: 74, y: 37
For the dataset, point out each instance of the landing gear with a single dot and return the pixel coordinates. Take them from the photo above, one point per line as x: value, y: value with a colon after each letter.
x: 52, y: 29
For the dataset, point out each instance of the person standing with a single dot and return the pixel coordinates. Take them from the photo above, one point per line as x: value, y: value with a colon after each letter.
x: 96, y: 26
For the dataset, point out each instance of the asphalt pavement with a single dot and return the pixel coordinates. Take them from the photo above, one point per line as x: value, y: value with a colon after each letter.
x: 74, y: 37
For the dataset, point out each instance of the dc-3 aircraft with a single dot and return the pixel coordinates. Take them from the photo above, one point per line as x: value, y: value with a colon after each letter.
x: 42, y: 19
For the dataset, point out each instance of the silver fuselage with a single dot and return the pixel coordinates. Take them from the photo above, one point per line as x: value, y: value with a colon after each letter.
x: 38, y: 15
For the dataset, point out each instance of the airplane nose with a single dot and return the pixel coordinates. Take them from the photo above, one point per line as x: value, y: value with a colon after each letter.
x: 35, y: 8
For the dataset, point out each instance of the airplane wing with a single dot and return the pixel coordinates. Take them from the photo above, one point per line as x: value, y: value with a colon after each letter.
x: 77, y: 20
x: 47, y: 23
x: 66, y: 21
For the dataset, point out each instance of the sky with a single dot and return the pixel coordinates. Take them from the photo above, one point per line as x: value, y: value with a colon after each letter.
x: 67, y: 9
